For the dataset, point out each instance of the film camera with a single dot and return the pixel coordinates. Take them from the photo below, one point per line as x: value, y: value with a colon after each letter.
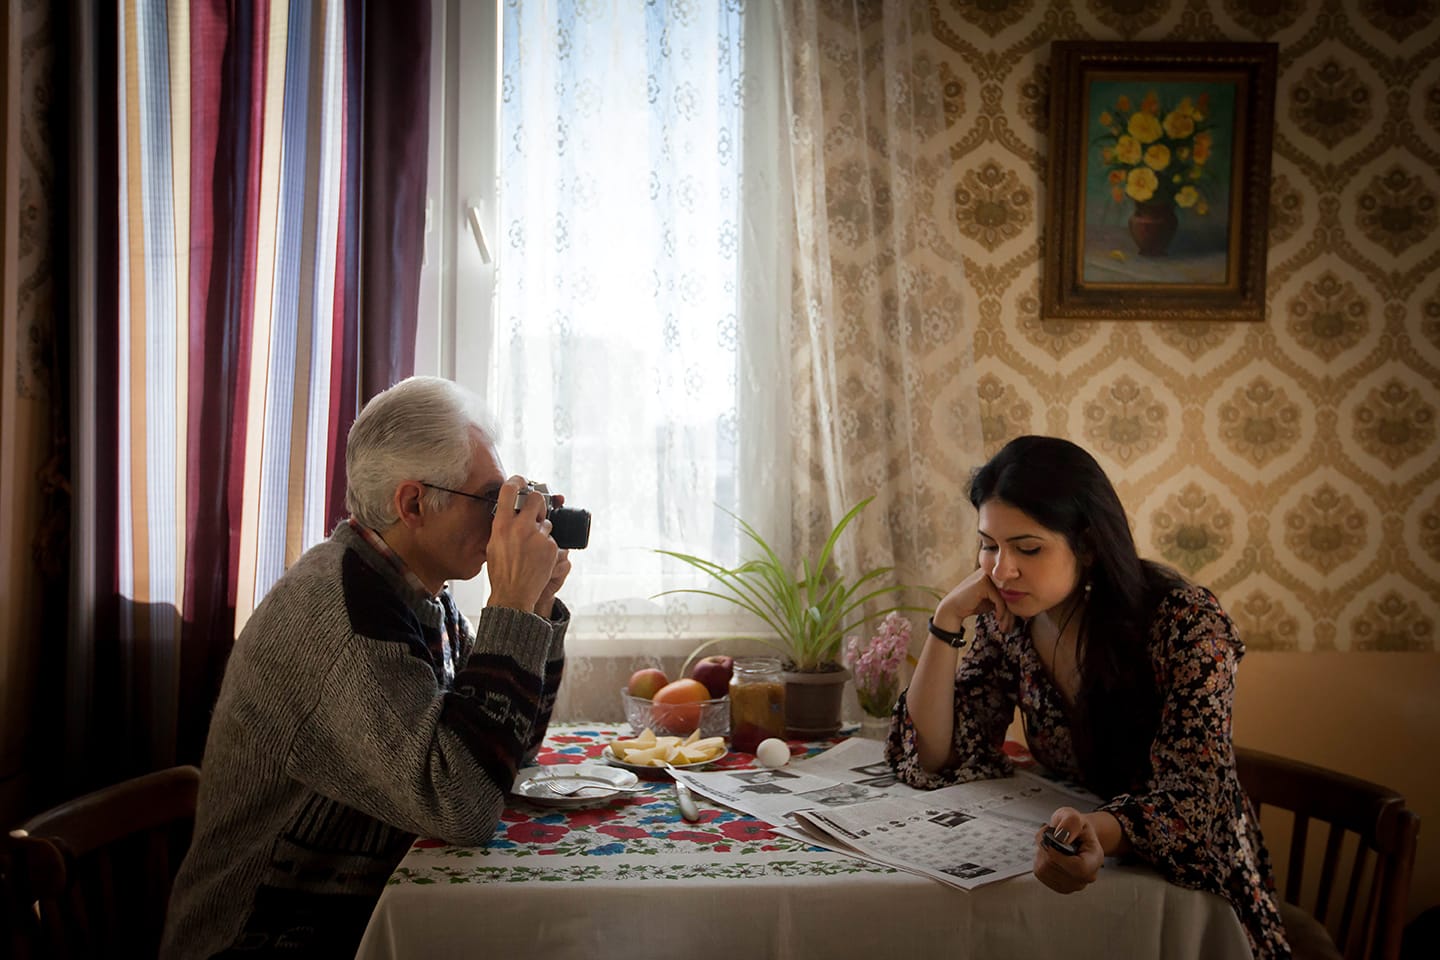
x: 569, y: 526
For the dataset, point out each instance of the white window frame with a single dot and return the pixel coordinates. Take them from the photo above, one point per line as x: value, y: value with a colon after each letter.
x: 454, y: 271
x: 461, y: 206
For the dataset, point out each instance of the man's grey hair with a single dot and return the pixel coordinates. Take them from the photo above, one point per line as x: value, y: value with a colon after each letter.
x: 419, y: 429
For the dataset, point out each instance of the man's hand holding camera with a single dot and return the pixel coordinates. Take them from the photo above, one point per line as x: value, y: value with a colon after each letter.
x: 545, y: 606
x: 526, y: 568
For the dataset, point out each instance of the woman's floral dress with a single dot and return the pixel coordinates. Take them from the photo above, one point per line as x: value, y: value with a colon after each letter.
x: 1192, y: 822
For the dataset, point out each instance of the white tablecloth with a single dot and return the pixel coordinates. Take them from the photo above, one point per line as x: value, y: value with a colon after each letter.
x: 1129, y: 913
x: 630, y: 879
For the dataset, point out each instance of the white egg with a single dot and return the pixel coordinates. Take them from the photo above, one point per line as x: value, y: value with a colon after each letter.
x: 772, y: 753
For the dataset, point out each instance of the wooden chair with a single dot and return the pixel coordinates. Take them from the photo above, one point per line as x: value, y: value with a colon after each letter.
x: 91, y: 877
x: 1374, y: 870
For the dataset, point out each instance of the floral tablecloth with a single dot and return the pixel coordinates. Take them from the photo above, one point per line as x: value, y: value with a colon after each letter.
x: 640, y: 837
x: 628, y: 878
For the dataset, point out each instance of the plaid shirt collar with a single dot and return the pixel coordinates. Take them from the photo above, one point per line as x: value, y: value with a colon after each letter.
x: 441, y: 649
x: 398, y: 562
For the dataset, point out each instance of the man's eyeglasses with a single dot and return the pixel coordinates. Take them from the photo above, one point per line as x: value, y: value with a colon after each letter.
x: 491, y: 498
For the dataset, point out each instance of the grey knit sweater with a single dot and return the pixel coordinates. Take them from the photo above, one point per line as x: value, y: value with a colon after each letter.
x: 336, y: 741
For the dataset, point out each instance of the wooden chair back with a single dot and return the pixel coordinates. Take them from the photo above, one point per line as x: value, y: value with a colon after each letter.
x: 91, y: 877
x: 1360, y: 889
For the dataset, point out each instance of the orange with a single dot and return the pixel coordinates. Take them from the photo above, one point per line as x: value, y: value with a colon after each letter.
x: 676, y: 706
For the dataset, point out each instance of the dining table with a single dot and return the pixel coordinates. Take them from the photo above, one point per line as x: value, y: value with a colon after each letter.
x: 627, y: 877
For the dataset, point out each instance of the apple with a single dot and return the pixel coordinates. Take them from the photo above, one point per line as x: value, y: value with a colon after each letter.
x: 676, y: 707
x: 714, y: 672
x: 646, y: 683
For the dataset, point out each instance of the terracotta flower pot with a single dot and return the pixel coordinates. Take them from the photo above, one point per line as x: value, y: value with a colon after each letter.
x: 1153, y: 226
x: 813, y: 702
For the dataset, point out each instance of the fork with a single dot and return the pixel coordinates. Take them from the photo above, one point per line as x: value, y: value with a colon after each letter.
x: 569, y: 786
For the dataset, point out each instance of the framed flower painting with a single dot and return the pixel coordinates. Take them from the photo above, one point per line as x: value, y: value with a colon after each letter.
x: 1159, y: 181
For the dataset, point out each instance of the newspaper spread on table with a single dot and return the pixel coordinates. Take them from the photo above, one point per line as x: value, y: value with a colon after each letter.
x: 848, y: 799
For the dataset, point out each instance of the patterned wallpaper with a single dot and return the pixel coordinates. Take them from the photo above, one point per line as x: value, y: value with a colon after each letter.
x: 35, y: 358
x: 1290, y: 465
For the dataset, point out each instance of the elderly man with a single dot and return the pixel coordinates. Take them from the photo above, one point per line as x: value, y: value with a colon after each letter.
x: 359, y: 708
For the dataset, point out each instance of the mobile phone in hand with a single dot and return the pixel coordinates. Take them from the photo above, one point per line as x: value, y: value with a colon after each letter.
x: 1066, y: 846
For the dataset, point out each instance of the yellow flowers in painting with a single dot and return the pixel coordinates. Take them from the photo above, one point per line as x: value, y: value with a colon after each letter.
x: 1157, y: 153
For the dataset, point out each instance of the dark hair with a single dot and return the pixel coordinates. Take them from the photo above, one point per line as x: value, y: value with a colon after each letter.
x: 1060, y: 486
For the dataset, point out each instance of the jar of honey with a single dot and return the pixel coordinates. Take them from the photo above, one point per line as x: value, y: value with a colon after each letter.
x: 757, y: 702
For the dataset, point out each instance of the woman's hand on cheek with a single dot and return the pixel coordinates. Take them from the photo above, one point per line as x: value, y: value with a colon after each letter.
x: 974, y: 595
x: 1064, y: 872
x: 1003, y: 617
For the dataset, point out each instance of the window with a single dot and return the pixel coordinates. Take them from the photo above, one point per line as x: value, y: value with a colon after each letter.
x: 623, y: 331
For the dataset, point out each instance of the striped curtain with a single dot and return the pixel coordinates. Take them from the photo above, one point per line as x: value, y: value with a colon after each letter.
x: 237, y: 139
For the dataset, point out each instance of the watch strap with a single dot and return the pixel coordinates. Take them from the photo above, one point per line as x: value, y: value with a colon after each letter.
x: 956, y: 639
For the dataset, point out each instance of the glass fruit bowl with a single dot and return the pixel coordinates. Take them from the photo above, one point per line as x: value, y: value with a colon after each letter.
x: 678, y: 719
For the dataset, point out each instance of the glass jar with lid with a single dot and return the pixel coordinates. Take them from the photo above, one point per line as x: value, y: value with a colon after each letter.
x: 757, y: 702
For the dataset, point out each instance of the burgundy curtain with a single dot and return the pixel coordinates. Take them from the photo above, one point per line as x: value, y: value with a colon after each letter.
x: 300, y: 171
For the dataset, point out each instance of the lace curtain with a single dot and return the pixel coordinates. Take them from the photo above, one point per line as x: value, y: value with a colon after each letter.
x: 643, y: 303
x: 883, y: 390
x: 636, y: 365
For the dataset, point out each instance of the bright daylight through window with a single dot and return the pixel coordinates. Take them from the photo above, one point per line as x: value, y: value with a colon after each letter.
x: 613, y: 358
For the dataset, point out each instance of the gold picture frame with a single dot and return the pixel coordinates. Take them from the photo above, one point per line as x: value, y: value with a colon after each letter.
x: 1159, y: 181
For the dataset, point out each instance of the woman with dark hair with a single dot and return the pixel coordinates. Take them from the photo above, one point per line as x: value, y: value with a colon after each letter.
x: 1124, y: 674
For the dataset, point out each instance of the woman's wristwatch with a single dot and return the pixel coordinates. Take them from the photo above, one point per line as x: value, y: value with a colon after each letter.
x: 956, y: 639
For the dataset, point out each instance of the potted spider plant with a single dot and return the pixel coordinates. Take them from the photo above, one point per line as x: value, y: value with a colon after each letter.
x: 810, y: 614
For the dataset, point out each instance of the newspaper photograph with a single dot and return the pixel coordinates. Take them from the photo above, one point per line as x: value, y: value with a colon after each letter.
x: 847, y: 799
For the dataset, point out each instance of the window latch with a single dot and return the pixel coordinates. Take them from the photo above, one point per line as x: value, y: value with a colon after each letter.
x: 478, y: 231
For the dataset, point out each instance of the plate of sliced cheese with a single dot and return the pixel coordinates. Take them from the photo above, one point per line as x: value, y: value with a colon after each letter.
x: 648, y: 754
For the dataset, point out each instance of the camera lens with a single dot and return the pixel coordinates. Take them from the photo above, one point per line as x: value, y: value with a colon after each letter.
x: 570, y: 527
